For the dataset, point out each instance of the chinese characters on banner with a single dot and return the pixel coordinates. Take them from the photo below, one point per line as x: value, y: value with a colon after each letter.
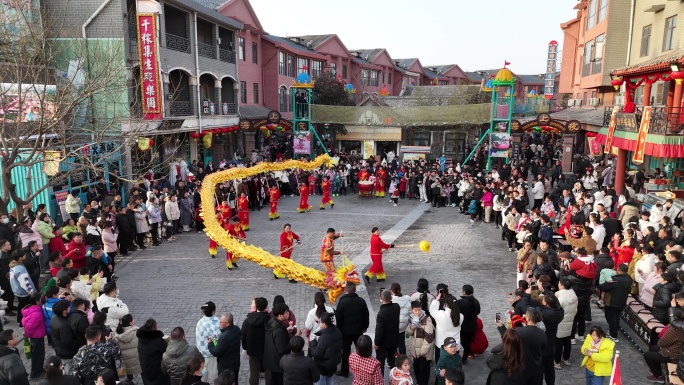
x: 611, y: 130
x: 638, y: 155
x: 149, y: 67
x: 550, y: 76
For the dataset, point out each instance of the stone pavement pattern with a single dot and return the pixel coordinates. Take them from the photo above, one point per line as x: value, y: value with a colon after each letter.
x: 171, y: 282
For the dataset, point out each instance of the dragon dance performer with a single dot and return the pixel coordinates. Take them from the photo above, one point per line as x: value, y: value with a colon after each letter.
x: 364, y: 174
x: 328, y: 251
x: 243, y: 211
x: 224, y: 208
x: 312, y: 184
x: 287, y: 239
x: 234, y: 229
x: 303, y: 198
x: 376, y: 248
x: 380, y: 177
x: 213, y: 246
x: 325, y: 186
x: 274, y: 196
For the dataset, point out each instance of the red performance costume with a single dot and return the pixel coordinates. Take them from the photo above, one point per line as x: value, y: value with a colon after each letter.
x: 226, y: 211
x: 287, y: 239
x: 325, y: 186
x: 380, y: 177
x: 213, y: 246
x: 303, y: 199
x: 274, y: 195
x: 328, y: 252
x: 243, y: 212
x: 376, y: 248
x: 363, y: 175
x: 312, y: 184
x: 234, y: 230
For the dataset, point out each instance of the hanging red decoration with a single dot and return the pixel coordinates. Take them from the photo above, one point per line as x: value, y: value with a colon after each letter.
x: 616, y: 83
x: 194, y: 135
x: 678, y: 76
x: 151, y: 142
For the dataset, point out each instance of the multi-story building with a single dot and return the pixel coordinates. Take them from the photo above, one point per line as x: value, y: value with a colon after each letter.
x: 410, y: 73
x: 373, y: 72
x: 594, y: 42
x: 445, y: 75
x: 196, y: 59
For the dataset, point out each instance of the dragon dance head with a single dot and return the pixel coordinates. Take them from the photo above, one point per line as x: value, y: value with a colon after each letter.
x: 337, y: 280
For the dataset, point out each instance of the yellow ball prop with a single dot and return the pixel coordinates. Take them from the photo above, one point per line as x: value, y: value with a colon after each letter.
x: 424, y: 246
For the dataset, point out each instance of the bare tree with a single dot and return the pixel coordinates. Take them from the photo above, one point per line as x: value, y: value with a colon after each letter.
x: 62, y: 103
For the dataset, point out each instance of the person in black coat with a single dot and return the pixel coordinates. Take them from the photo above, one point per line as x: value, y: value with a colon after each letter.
x: 297, y: 368
x: 523, y: 302
x: 353, y: 320
x: 276, y: 343
x: 470, y: 308
x: 7, y: 231
x: 78, y: 320
x: 612, y: 226
x: 95, y: 263
x: 123, y: 226
x: 151, y: 348
x: 327, y: 349
x: 662, y: 298
x: 615, y: 300
x: 227, y: 348
x: 386, y: 326
x: 64, y: 340
x: 534, y: 346
x: 252, y: 336
x: 552, y: 315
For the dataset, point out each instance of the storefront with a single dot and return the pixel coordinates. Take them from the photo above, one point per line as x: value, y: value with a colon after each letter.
x: 369, y: 140
x: 272, y: 133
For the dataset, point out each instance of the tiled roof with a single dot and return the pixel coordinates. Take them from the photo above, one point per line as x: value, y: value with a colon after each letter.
x: 315, y: 40
x: 213, y: 4
x: 532, y: 80
x: 592, y: 116
x: 432, y: 74
x: 660, y: 63
x: 200, y: 6
x: 405, y: 63
x: 291, y: 44
x: 371, y: 54
x: 474, y: 77
x: 254, y: 112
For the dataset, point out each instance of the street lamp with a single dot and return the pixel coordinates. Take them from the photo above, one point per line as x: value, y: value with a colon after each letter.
x: 674, y: 66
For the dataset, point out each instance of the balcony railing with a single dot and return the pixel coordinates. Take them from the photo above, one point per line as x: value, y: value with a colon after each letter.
x: 664, y: 120
x: 226, y: 55
x: 206, y: 50
x: 181, y: 108
x: 229, y: 109
x: 177, y: 43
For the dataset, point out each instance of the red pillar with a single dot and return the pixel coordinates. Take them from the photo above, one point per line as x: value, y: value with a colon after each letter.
x: 620, y: 170
x: 647, y: 95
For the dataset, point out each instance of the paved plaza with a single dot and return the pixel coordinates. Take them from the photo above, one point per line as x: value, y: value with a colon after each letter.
x: 171, y: 282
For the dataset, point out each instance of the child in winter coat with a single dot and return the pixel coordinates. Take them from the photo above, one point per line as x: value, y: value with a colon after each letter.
x: 395, y: 196
x: 35, y: 330
x: 401, y: 373
x: 421, y: 331
x: 607, y: 273
x: 448, y: 358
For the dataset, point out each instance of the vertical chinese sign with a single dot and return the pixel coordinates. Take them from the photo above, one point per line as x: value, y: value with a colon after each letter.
x: 149, y: 67
x: 638, y: 155
x: 550, y: 76
x: 611, y: 130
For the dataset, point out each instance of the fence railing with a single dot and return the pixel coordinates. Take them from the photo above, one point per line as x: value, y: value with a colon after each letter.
x: 664, y: 120
x: 181, y: 108
x: 206, y: 50
x: 177, y: 43
x: 226, y: 55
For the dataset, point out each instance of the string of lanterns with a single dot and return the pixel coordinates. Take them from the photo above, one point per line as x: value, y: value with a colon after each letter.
x: 214, y: 131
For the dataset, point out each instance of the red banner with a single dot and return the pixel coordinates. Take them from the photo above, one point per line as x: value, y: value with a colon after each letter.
x: 611, y: 130
x: 638, y: 155
x: 149, y: 67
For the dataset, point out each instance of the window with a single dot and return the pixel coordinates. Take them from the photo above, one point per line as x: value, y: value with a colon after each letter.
x: 282, y: 70
x: 255, y: 87
x: 374, y: 78
x: 255, y: 55
x: 645, y: 40
x: 591, y: 14
x: 668, y: 39
x: 333, y: 69
x: 389, y: 78
x: 243, y: 92
x: 301, y: 64
x: 241, y: 49
x: 586, y: 68
x: 364, y: 77
x: 290, y: 66
x: 597, y: 63
x: 282, y: 99
x: 316, y: 68
x: 344, y: 71
x: 421, y: 138
x: 603, y: 10
x: 383, y: 78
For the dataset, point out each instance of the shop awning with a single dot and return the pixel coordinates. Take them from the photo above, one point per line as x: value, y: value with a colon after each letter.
x: 386, y: 134
x: 660, y: 146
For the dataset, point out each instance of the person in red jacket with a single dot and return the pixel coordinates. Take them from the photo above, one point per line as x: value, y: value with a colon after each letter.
x: 234, y: 230
x: 274, y: 196
x: 287, y: 242
x: 77, y: 251
x: 56, y: 243
x: 325, y: 186
x: 304, y: 205
x: 584, y: 265
x: 376, y: 248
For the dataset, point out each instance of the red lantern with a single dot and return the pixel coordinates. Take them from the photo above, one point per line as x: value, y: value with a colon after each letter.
x: 151, y: 142
x: 194, y: 135
x: 204, y: 133
x: 678, y: 76
x: 617, y: 82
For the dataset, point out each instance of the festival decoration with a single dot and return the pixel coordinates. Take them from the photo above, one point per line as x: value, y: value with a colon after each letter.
x: 617, y: 83
x: 334, y: 282
x: 144, y: 143
x: 52, y: 162
x: 194, y: 135
x: 207, y: 139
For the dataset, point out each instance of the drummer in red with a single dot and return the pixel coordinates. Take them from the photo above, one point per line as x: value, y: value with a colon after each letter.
x: 325, y: 186
x: 287, y: 242
x: 304, y: 205
x: 234, y: 229
x: 376, y: 248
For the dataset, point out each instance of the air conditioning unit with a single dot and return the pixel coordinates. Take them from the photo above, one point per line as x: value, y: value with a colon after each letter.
x: 578, y: 102
x: 619, y: 101
x: 594, y: 102
x: 571, y: 102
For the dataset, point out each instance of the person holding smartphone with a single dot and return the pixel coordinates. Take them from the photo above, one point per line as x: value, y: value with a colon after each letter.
x: 448, y: 319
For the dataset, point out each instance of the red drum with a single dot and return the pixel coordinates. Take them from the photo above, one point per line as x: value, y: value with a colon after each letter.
x: 366, y: 188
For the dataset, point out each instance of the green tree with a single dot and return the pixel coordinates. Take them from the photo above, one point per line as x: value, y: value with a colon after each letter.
x: 330, y: 91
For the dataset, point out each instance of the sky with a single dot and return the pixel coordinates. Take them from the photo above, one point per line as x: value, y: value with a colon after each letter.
x: 476, y: 35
